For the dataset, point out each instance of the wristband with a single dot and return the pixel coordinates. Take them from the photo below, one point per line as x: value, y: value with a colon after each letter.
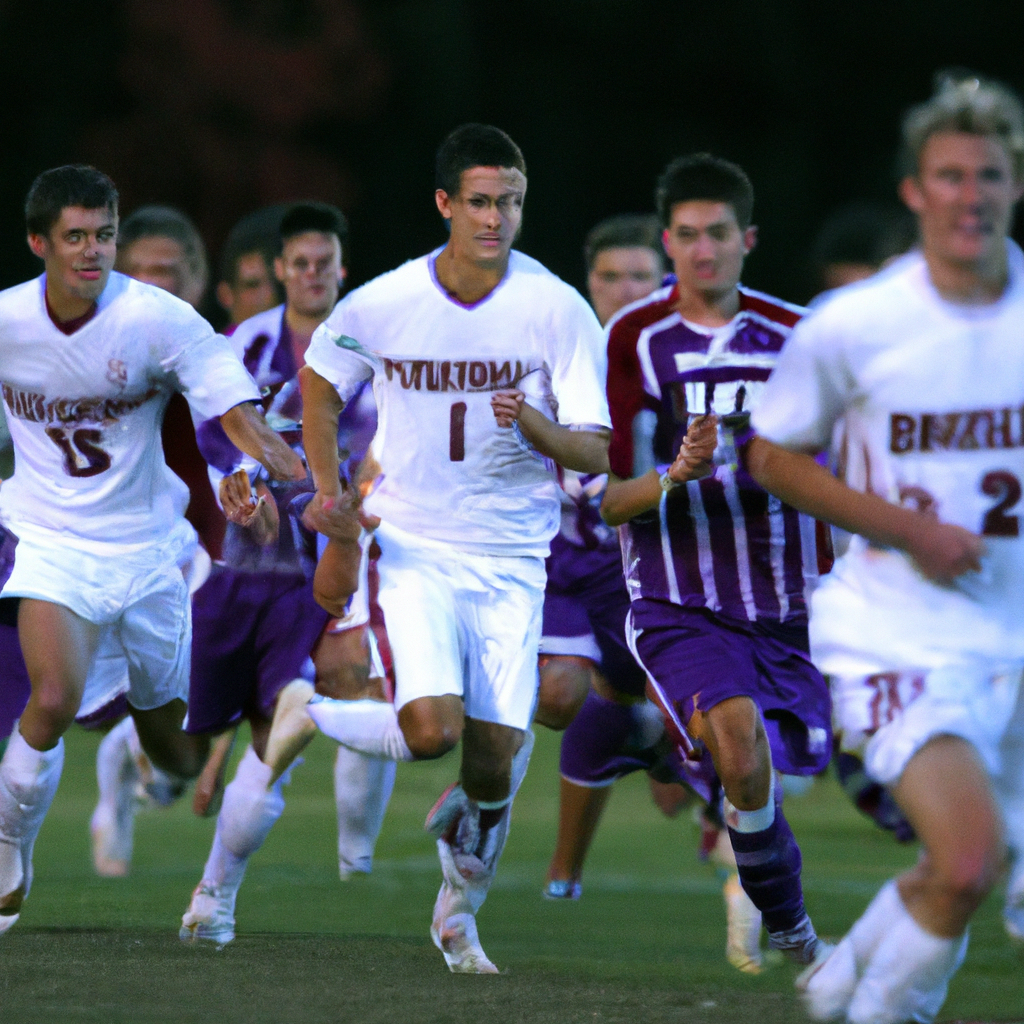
x: 667, y: 483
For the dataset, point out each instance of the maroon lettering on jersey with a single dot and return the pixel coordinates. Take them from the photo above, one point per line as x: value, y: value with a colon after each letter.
x: 972, y: 430
x: 472, y: 375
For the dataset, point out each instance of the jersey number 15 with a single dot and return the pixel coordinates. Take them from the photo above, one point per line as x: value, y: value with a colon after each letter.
x: 81, y: 446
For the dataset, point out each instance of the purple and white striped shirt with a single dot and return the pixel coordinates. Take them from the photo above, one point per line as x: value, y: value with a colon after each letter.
x: 721, y: 543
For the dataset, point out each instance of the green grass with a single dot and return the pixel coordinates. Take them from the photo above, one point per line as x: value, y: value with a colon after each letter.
x: 645, y: 944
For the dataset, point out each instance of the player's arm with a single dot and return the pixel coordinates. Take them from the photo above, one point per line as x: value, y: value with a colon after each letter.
x: 257, y: 513
x: 249, y: 431
x: 625, y: 499
x: 337, y: 576
x: 942, y: 551
x: 585, y: 451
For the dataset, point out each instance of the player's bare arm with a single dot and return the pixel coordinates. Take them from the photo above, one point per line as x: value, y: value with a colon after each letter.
x: 942, y: 551
x: 248, y: 430
x: 585, y: 451
x: 251, y: 507
x: 625, y: 499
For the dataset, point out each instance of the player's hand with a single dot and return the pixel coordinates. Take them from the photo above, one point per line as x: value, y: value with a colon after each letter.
x: 694, y: 459
x: 338, y: 516
x: 236, y: 498
x: 282, y: 463
x: 943, y: 551
x: 507, y: 406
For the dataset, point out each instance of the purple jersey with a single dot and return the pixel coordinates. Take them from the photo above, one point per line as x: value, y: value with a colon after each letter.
x: 264, y: 344
x: 721, y: 543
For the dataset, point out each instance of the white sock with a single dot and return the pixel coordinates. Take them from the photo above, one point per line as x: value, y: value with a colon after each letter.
x: 874, y: 924
x: 362, y: 789
x: 115, y: 763
x: 28, y: 782
x: 908, y: 974
x: 367, y: 726
x: 245, y: 820
x: 753, y: 821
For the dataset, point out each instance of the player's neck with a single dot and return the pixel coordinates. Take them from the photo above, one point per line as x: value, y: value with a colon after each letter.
x: 64, y: 306
x: 300, y: 328
x: 709, y: 309
x: 971, y: 284
x: 464, y: 279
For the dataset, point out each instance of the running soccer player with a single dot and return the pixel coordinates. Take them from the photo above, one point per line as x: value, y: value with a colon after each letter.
x: 255, y: 621
x: 916, y: 376
x: 88, y: 360
x: 716, y: 568
x: 483, y: 364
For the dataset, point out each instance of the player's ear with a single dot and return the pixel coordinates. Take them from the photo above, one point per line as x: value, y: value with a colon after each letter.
x: 444, y: 204
x: 279, y: 268
x: 225, y: 296
x: 749, y: 238
x: 38, y: 244
x: 910, y: 192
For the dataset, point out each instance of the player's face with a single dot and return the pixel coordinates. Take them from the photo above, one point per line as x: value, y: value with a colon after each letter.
x: 253, y: 290
x: 963, y: 194
x: 310, y: 269
x: 486, y: 214
x: 162, y: 262
x: 79, y: 251
x: 707, y: 246
x: 622, y: 275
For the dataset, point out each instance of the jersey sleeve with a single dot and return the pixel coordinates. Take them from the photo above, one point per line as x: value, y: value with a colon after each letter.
x: 336, y: 354
x: 808, y: 391
x: 579, y: 366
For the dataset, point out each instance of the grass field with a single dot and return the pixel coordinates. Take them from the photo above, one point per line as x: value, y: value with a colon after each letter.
x: 645, y: 944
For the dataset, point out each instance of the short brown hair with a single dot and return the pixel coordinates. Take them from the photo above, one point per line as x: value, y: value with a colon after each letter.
x: 965, y: 103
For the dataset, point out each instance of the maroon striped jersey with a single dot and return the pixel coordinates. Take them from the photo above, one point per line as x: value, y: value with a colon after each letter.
x: 723, y: 542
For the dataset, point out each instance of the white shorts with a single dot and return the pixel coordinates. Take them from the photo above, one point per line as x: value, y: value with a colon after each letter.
x: 582, y: 646
x: 146, y: 640
x: 887, y: 718
x: 463, y: 624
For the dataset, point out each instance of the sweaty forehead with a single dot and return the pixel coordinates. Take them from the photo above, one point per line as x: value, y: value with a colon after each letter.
x: 701, y: 213
x: 152, y: 249
x: 79, y: 218
x: 311, y: 245
x: 493, y: 180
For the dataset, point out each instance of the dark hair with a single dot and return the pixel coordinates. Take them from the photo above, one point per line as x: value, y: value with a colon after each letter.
x: 256, y: 232
x: 474, y: 145
x: 70, y: 185
x: 166, y: 222
x: 863, y: 232
x: 629, y: 230
x: 703, y: 176
x: 313, y: 216
x: 964, y: 102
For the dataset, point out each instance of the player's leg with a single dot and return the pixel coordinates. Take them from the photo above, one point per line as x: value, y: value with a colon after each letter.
x: 58, y: 647
x: 1009, y: 787
x: 564, y: 685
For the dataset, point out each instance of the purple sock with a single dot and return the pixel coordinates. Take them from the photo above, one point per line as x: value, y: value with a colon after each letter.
x: 769, y: 863
x: 595, y: 743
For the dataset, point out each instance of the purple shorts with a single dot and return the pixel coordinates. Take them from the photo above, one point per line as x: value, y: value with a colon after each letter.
x: 586, y: 596
x: 252, y: 634
x: 14, y: 685
x: 697, y: 659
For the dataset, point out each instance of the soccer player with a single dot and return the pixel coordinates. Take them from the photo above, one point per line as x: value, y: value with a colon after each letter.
x: 716, y: 568
x: 916, y: 376
x: 255, y: 621
x: 247, y: 284
x: 88, y: 360
x: 483, y: 364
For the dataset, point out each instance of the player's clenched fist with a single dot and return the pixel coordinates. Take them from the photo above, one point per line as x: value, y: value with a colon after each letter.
x: 943, y: 551
x: 694, y: 459
x: 237, y: 498
x: 337, y: 516
x: 507, y: 406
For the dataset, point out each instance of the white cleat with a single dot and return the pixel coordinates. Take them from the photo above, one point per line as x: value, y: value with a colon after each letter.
x: 743, y: 928
x: 111, y: 834
x: 826, y: 987
x: 210, y: 917
x: 13, y: 878
x: 457, y: 938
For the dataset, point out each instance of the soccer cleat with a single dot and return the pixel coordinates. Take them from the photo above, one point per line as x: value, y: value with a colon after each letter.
x: 800, y: 944
x: 450, y: 806
x: 13, y: 876
x: 743, y: 928
x: 562, y: 889
x: 826, y: 987
x: 111, y: 829
x: 457, y: 938
x: 210, y: 917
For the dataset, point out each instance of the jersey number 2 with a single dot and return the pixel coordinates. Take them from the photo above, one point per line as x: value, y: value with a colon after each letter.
x: 1006, y: 487
x: 81, y: 445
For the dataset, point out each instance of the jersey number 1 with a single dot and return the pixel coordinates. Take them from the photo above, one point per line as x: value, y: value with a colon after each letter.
x: 457, y: 432
x: 81, y: 445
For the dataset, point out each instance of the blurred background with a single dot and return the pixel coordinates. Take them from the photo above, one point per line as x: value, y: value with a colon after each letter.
x: 221, y: 106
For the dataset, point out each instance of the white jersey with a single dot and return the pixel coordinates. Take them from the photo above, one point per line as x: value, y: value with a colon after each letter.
x: 85, y: 412
x: 450, y: 474
x: 922, y: 402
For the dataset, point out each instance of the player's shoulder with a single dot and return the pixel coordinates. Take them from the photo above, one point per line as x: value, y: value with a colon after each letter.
x: 23, y: 301
x: 892, y: 288
x: 128, y: 299
x: 528, y: 276
x: 266, y: 323
x: 778, y: 311
x: 644, y: 313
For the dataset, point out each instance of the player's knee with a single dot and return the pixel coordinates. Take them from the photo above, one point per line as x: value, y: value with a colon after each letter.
x: 432, y: 738
x: 564, y: 685
x: 56, y: 702
x: 970, y: 874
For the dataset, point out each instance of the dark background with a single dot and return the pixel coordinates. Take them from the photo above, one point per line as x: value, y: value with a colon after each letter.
x: 219, y: 106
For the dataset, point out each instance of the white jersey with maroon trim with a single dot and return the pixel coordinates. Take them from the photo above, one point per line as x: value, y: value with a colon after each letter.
x: 721, y: 543
x: 85, y: 410
x: 449, y: 473
x: 922, y: 402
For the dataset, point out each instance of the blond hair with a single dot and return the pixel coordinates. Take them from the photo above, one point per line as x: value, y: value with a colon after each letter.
x: 968, y: 104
